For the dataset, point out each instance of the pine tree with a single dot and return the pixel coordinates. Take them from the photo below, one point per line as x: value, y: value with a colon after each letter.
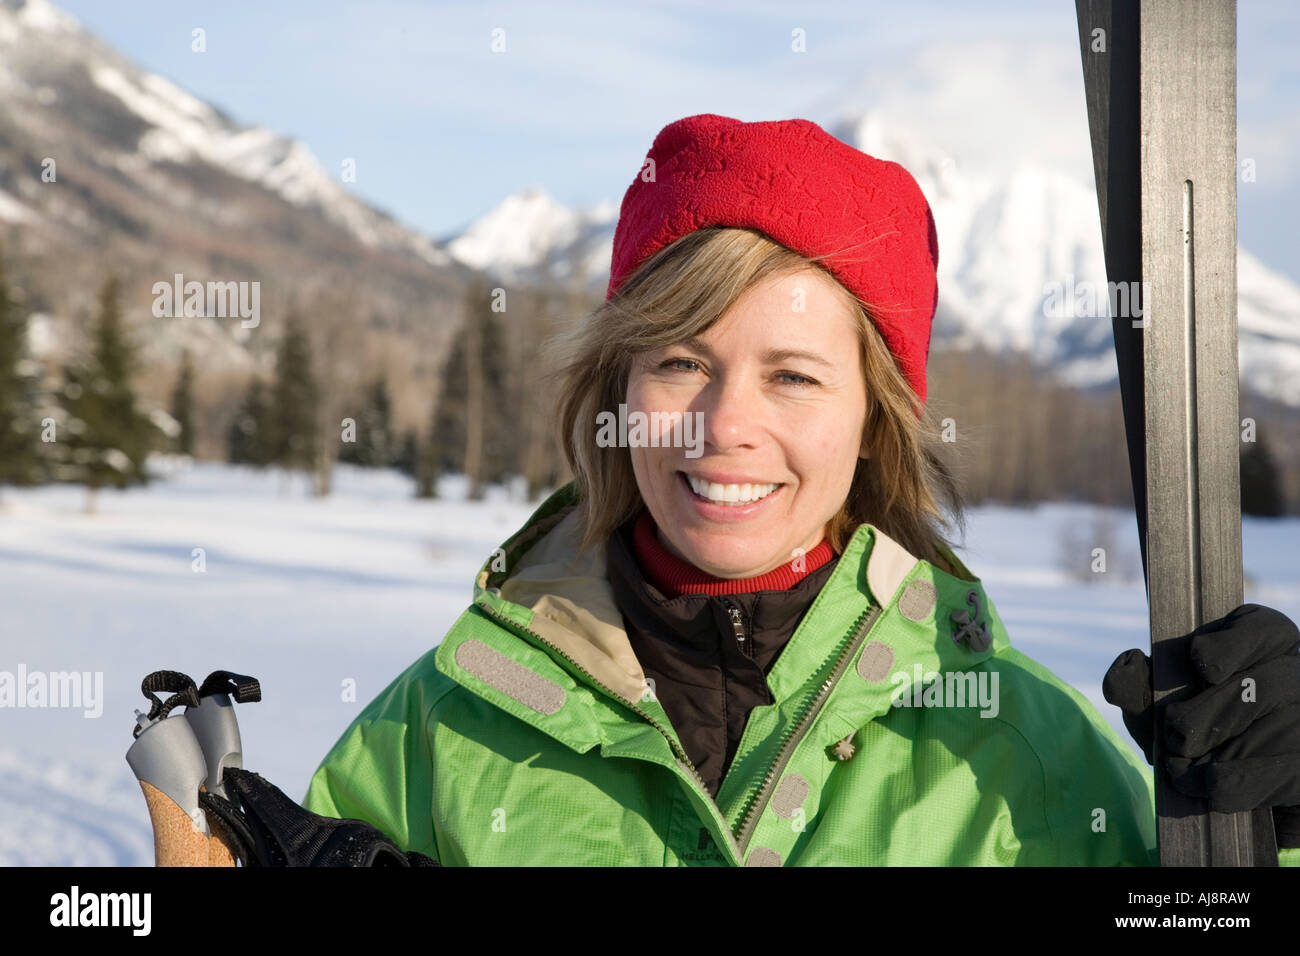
x: 183, y: 406
x: 1261, y: 489
x: 108, y: 437
x: 293, y: 436
x: 248, y: 441
x: 472, y: 427
x: 21, y: 461
x: 374, y: 446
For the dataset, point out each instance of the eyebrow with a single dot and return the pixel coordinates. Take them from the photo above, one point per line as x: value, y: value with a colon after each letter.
x: 770, y: 357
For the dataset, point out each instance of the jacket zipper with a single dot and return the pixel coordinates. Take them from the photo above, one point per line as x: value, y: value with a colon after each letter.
x: 749, y: 820
x: 738, y: 625
x: 683, y: 759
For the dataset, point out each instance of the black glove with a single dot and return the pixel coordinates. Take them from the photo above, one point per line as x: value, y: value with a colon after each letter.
x: 266, y: 828
x: 1236, y: 745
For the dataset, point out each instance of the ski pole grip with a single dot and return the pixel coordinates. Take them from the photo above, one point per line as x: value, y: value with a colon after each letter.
x: 175, y: 758
x: 176, y: 839
x: 168, y: 763
x: 220, y: 850
x: 217, y: 732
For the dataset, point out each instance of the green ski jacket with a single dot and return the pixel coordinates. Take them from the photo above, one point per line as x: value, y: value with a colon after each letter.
x: 900, y: 734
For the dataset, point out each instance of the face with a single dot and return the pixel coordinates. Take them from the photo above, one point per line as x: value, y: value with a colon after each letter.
x: 783, y: 406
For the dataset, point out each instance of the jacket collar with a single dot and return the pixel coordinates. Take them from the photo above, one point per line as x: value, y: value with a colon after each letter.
x: 701, y: 621
x: 660, y: 567
x: 537, y: 581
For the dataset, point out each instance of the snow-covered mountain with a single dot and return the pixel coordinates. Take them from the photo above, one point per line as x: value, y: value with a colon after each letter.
x: 105, y: 166
x: 1018, y: 246
x: 43, y: 44
x: 530, y: 231
x: 182, y: 129
x: 1016, y: 242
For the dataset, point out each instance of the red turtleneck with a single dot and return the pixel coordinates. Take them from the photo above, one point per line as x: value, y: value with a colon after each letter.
x: 673, y: 576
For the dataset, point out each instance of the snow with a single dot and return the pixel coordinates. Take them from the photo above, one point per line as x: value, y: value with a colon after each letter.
x: 165, y: 423
x: 302, y: 593
x: 308, y: 593
x: 45, y: 17
x: 181, y: 129
x: 1088, y: 372
x: 11, y: 210
x: 519, y: 232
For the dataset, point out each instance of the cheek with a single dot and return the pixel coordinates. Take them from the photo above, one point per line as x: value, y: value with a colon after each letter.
x: 828, y: 446
x: 826, y: 452
x: 649, y: 395
x: 635, y: 391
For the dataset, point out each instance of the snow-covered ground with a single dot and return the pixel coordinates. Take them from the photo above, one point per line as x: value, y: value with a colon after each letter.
x: 308, y: 594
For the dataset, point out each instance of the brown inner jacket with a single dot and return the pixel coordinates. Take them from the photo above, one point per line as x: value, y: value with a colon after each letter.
x: 706, y: 680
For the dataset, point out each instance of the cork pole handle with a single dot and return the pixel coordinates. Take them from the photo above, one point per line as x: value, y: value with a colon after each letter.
x: 176, y: 839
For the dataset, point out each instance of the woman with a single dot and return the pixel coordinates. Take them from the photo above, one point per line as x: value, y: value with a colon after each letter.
x: 738, y: 636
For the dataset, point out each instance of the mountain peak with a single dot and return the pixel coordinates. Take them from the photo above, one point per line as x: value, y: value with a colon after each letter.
x: 40, y: 15
x: 528, y: 228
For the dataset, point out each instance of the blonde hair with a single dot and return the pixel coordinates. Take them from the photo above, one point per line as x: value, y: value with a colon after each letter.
x: 680, y: 292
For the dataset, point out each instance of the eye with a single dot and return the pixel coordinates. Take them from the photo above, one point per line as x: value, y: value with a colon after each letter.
x: 794, y: 378
x: 680, y: 364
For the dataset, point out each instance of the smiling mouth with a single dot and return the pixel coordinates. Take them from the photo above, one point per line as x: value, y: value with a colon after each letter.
x: 740, y: 494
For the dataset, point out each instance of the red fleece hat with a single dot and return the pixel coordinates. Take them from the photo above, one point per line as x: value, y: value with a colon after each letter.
x: 810, y: 192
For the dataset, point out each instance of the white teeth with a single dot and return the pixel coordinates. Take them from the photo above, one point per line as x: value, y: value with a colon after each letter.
x: 730, y: 494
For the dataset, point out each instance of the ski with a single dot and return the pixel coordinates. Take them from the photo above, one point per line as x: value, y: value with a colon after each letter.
x: 1160, y: 82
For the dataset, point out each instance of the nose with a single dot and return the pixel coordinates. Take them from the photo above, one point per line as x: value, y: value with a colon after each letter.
x: 732, y: 414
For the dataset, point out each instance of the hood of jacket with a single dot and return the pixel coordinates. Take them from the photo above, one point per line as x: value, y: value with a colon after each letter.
x: 538, y: 579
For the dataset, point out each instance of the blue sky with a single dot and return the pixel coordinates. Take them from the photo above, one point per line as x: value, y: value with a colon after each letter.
x: 442, y: 128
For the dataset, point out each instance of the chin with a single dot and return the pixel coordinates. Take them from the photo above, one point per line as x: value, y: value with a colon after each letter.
x: 721, y: 558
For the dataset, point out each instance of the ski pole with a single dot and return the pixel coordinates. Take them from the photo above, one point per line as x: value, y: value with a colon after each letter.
x: 168, y: 762
x: 217, y: 732
x: 174, y: 760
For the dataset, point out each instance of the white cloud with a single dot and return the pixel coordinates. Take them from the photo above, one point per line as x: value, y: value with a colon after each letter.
x: 972, y: 99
